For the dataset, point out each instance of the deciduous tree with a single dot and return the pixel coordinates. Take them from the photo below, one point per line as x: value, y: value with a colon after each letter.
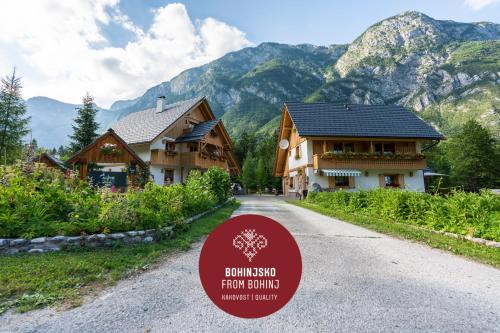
x: 473, y: 157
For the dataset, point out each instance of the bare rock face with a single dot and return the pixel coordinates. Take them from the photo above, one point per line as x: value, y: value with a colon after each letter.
x: 410, y: 59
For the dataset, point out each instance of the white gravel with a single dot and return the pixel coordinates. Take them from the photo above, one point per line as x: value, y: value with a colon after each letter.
x: 354, y: 280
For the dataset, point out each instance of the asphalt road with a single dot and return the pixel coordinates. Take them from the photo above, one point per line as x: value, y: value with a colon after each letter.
x: 354, y: 280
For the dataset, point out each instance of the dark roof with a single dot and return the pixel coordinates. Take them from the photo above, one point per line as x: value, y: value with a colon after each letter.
x: 54, y: 160
x: 198, y: 132
x: 359, y: 120
x: 145, y: 126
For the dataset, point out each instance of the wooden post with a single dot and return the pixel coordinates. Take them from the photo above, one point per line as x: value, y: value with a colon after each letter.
x: 83, y: 170
x: 324, y: 146
x: 371, y: 147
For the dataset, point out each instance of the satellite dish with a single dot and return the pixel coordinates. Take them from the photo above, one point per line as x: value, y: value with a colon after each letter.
x: 284, y: 144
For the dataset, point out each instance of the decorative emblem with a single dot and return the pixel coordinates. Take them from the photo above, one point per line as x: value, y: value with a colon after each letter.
x: 249, y: 242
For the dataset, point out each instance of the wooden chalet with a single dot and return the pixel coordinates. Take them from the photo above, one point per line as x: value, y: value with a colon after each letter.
x: 353, y: 146
x: 108, y: 156
x: 176, y: 138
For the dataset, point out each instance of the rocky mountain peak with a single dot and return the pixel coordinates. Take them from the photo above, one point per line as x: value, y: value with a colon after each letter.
x: 410, y: 33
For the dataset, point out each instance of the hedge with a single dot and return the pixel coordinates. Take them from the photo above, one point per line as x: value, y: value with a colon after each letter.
x: 38, y: 201
x: 472, y: 214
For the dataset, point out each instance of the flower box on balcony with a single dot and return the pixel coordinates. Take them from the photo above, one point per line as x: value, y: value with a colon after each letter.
x: 372, y: 156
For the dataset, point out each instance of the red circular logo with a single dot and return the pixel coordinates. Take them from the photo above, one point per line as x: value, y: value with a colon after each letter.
x: 250, y: 266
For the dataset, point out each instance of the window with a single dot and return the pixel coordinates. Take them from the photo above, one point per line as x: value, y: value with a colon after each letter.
x: 193, y: 147
x: 297, y: 152
x: 337, y: 148
x: 349, y: 147
x: 385, y: 148
x: 170, y: 146
x: 290, y: 182
x: 341, y: 181
x: 168, y: 176
x: 389, y: 148
x: 391, y: 181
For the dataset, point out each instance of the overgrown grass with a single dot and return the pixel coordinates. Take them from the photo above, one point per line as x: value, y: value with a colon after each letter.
x: 464, y: 248
x: 30, y: 281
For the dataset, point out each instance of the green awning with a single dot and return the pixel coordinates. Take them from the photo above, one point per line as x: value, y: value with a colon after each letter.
x: 340, y: 172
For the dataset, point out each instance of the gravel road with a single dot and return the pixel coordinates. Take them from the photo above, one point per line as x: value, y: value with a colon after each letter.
x: 354, y: 280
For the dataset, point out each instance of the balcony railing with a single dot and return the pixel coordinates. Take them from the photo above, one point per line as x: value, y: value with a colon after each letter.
x: 164, y: 157
x: 186, y: 159
x: 367, y: 161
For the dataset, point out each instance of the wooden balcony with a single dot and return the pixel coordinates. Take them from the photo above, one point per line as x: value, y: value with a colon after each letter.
x: 189, y: 160
x: 162, y: 157
x: 197, y: 160
x: 369, y: 162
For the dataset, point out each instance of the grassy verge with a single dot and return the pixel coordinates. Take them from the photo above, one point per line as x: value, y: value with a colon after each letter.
x: 34, y: 281
x: 484, y: 254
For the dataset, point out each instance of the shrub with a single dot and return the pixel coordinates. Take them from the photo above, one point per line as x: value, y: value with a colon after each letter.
x: 197, y: 194
x: 473, y: 214
x: 42, y: 202
x: 219, y: 183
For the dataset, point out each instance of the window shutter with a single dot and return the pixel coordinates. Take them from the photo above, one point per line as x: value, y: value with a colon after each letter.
x: 331, y: 182
x: 381, y: 181
x: 351, y: 182
x: 401, y: 181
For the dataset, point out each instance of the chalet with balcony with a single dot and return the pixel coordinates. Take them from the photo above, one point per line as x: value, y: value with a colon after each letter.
x: 176, y: 138
x: 351, y: 146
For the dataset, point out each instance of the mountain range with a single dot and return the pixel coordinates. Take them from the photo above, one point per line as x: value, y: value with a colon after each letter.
x: 447, y: 71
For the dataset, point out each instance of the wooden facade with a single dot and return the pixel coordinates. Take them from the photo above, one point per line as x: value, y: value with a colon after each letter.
x: 50, y: 161
x: 347, y: 162
x: 109, y: 148
x: 213, y: 149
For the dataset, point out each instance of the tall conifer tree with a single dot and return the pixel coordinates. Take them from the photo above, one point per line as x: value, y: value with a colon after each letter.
x: 13, y: 120
x: 85, y: 126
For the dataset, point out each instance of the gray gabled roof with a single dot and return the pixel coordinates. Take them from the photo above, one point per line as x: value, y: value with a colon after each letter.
x: 358, y: 120
x: 145, y: 126
x: 198, y: 132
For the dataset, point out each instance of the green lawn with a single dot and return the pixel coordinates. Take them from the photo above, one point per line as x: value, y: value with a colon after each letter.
x: 30, y: 281
x: 484, y: 254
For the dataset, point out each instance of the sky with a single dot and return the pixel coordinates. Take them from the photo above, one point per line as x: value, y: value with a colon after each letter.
x: 117, y: 49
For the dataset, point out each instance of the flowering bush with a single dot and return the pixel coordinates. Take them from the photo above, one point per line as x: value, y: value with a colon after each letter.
x: 110, y: 149
x: 364, y: 156
x: 42, y: 202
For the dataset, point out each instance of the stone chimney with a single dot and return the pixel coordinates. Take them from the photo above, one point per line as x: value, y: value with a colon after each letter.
x: 160, y: 104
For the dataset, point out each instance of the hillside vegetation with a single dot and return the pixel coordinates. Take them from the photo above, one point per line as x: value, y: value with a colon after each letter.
x: 410, y: 59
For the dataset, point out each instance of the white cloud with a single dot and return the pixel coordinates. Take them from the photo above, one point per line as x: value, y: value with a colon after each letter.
x: 479, y: 4
x: 61, y: 52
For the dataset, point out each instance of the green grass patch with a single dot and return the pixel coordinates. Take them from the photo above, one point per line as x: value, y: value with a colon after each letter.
x: 464, y: 248
x: 30, y: 281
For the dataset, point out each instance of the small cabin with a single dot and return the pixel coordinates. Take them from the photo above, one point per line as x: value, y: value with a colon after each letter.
x: 108, y: 161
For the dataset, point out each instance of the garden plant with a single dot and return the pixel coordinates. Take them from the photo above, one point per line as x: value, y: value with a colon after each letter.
x: 38, y: 201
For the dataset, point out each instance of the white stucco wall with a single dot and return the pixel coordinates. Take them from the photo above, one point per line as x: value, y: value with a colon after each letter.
x: 158, y: 175
x: 316, y: 178
x: 305, y: 157
x: 143, y: 151
x: 413, y: 183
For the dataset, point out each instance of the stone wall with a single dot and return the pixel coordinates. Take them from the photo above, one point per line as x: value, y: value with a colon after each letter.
x: 59, y: 243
